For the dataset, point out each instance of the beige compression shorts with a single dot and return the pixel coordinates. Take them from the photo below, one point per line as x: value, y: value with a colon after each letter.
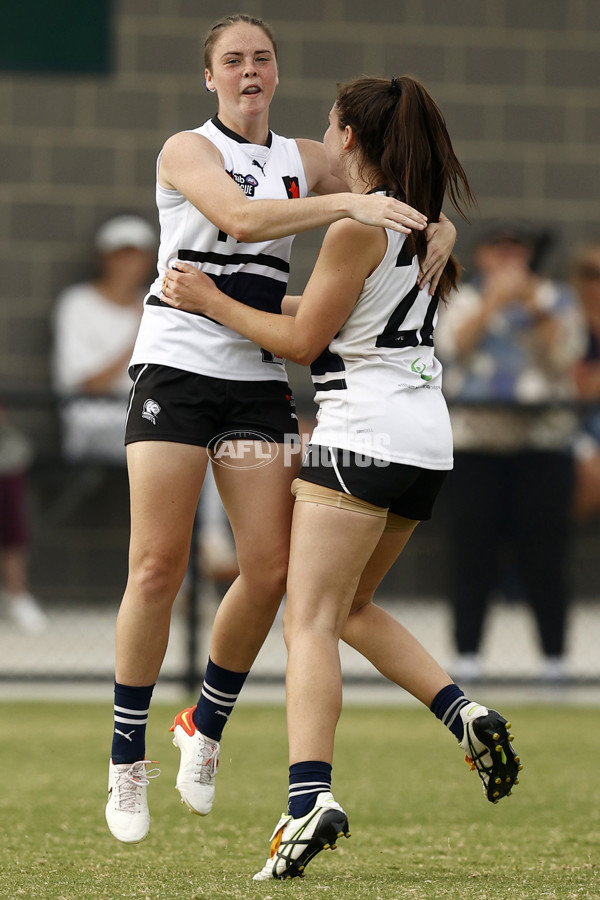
x: 307, y: 492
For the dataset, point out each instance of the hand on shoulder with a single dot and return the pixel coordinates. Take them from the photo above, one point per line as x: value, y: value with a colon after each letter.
x: 355, y: 244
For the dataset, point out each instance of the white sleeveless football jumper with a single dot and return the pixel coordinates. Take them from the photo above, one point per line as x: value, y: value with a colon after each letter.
x: 378, y: 384
x: 254, y: 273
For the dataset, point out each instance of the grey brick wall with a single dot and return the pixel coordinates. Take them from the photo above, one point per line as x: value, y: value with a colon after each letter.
x: 519, y: 83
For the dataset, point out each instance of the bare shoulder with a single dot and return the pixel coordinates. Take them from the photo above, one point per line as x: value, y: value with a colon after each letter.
x: 185, y: 152
x: 356, y: 242
x: 186, y: 143
x: 312, y: 154
x: 351, y: 230
x: 316, y: 168
x: 311, y: 150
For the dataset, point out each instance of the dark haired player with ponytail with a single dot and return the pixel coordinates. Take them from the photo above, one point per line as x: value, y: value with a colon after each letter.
x: 378, y: 455
x: 223, y: 195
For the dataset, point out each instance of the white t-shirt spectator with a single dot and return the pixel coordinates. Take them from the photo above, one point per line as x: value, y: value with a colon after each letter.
x: 90, y: 334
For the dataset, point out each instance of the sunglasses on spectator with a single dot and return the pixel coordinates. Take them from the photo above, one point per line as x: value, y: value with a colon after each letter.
x: 588, y: 272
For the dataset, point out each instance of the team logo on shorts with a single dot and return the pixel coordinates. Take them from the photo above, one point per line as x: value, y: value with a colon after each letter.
x: 151, y: 410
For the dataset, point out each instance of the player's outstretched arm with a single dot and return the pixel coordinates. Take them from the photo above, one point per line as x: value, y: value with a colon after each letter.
x: 191, y: 165
x: 349, y: 253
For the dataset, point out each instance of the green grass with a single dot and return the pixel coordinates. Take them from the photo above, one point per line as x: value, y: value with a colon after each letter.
x: 420, y: 826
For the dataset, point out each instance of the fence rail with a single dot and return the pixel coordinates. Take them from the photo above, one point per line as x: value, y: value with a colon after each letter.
x: 78, y: 567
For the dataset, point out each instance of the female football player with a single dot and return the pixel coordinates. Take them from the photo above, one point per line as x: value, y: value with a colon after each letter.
x: 223, y: 194
x: 378, y: 455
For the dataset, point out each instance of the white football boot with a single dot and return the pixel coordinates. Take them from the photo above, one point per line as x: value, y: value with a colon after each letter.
x: 198, y: 766
x: 126, y: 812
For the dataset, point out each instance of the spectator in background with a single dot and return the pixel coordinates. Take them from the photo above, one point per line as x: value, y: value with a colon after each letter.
x: 586, y: 279
x: 18, y: 603
x: 508, y: 342
x: 95, y: 327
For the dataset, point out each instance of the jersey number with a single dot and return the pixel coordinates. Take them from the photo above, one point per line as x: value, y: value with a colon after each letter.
x: 392, y: 336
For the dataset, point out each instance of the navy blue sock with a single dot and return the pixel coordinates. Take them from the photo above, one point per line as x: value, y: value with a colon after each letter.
x: 132, y: 705
x: 307, y: 780
x: 220, y: 690
x: 447, y: 705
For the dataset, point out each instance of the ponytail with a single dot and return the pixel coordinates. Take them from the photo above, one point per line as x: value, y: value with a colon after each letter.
x: 401, y: 135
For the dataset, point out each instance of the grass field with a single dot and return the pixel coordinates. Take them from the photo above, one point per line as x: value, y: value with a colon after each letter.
x: 420, y: 826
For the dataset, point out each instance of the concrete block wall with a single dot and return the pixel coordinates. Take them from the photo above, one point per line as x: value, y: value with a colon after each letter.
x: 519, y: 84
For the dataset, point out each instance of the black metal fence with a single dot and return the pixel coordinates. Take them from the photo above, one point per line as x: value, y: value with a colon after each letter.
x: 78, y: 564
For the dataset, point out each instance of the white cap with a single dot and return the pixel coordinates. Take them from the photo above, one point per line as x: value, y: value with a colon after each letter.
x: 125, y: 231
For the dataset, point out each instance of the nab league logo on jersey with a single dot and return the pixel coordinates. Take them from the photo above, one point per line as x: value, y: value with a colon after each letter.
x: 248, y: 183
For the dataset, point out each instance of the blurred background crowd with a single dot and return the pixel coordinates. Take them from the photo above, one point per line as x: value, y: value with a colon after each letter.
x: 84, y: 117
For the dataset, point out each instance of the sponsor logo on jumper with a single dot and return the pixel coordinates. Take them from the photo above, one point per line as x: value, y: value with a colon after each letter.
x: 248, y: 183
x: 292, y: 186
x: 256, y: 163
x: 151, y: 410
x: 419, y: 367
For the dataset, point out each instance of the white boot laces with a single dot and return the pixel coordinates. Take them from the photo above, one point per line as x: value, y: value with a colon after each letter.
x: 207, y: 761
x: 128, y: 783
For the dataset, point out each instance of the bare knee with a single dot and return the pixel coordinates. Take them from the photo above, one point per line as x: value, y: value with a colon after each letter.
x: 362, y: 599
x: 297, y: 628
x: 265, y: 578
x: 156, y: 577
x: 277, y: 577
x: 312, y: 622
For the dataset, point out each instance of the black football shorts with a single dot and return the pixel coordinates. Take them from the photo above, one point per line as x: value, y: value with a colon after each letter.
x: 168, y: 404
x: 407, y: 491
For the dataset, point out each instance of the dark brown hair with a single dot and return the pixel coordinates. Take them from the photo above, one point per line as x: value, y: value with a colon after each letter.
x: 225, y: 22
x: 402, y: 139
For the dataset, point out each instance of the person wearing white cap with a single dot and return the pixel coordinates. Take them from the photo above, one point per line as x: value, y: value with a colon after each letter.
x: 95, y: 325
